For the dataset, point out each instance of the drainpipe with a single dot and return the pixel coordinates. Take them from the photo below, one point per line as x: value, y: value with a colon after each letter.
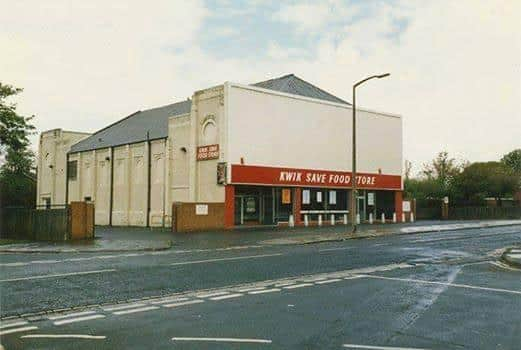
x: 67, y: 180
x: 111, y: 200
x: 148, y: 179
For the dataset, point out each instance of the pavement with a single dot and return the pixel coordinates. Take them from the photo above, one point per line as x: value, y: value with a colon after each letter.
x: 436, y: 290
x: 129, y: 239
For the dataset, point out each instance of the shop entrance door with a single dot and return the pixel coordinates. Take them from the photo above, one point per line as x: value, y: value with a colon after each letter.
x: 360, y: 205
x: 247, y: 210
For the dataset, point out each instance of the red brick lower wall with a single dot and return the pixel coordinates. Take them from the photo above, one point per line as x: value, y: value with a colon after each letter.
x: 185, y: 219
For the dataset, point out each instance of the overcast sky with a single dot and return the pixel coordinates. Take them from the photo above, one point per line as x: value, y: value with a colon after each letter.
x: 455, y: 65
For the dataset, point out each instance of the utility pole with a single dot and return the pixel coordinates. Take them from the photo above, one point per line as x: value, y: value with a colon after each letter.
x: 354, y: 195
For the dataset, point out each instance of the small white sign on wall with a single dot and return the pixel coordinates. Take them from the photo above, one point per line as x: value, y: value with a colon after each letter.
x: 370, y: 198
x: 201, y: 209
x: 406, y: 206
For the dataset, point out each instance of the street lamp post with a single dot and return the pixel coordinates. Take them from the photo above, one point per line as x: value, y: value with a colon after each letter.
x: 353, y: 171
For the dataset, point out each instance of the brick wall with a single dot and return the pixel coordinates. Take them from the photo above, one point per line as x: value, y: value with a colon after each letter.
x: 186, y: 219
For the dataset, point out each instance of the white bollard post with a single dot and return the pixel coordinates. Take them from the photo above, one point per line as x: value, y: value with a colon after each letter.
x: 306, y: 220
x: 291, y: 221
x: 412, y: 217
x: 320, y: 220
x: 332, y: 219
x: 358, y: 219
x: 394, y: 218
x: 370, y: 218
x: 403, y: 217
x: 383, y: 218
x: 345, y: 219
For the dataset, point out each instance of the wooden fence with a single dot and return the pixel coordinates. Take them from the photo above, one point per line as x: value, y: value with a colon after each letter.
x: 483, y: 213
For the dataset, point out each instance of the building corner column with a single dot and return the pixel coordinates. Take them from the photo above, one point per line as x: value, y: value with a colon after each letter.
x: 398, y: 199
x: 229, y: 206
x: 297, y: 207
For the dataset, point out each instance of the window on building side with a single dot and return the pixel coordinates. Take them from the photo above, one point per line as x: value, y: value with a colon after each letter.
x: 72, y: 169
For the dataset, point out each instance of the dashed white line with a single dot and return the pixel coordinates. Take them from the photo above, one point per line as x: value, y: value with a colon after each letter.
x: 74, y: 314
x: 123, y: 307
x: 265, y: 291
x: 56, y: 275
x: 168, y: 300
x: 211, y: 294
x: 16, y: 330
x: 357, y: 346
x: 132, y: 311
x: 190, y: 302
x: 298, y: 286
x: 242, y: 290
x: 228, y: 296
x: 79, y: 319
x: 225, y: 259
x: 13, y: 324
x: 228, y: 340
x: 329, y: 281
x: 65, y: 336
x: 334, y: 249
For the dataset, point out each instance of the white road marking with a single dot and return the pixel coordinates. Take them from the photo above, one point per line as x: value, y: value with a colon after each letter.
x: 224, y: 259
x: 168, y: 300
x: 265, y: 291
x: 190, y: 302
x: 56, y: 275
x: 79, y: 319
x: 211, y: 294
x: 123, y: 307
x: 16, y: 330
x: 503, y: 265
x: 298, y: 286
x: 282, y: 284
x: 242, y: 290
x: 74, y: 314
x: 45, y: 261
x: 357, y: 346
x: 334, y: 249
x: 58, y: 336
x: 14, y: 264
x: 229, y: 340
x: 352, y: 277
x: 13, y: 324
x: 132, y: 311
x: 329, y: 281
x: 228, y: 296
x: 445, y: 284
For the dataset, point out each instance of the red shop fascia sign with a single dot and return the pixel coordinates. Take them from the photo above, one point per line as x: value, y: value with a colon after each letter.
x: 263, y: 175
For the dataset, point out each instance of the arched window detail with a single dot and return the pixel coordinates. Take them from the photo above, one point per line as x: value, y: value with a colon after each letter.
x: 210, y: 133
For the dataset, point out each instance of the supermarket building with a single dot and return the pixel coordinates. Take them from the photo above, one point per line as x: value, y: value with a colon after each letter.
x: 270, y: 153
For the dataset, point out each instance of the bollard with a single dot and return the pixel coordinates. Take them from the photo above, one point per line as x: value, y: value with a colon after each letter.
x: 306, y: 221
x: 332, y: 219
x: 345, y: 219
x: 371, y: 218
x: 412, y: 216
x: 358, y: 219
x: 320, y: 220
x: 403, y: 217
x: 291, y: 221
x: 394, y: 218
x: 383, y: 218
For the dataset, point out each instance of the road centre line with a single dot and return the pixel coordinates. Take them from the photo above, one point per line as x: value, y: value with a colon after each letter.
x: 211, y: 294
x: 168, y: 300
x: 65, y: 336
x: 265, y: 291
x: 78, y: 319
x: 298, y: 286
x: 334, y: 249
x: 123, y: 307
x: 228, y: 296
x: 225, y: 259
x: 369, y: 347
x: 16, y: 330
x: 58, y: 317
x: 242, y: 290
x: 329, y: 281
x: 13, y: 324
x: 132, y: 311
x: 457, y: 285
x: 57, y: 275
x: 190, y: 302
x: 229, y: 340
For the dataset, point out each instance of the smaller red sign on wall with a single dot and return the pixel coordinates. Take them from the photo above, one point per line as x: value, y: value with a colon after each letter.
x: 208, y: 152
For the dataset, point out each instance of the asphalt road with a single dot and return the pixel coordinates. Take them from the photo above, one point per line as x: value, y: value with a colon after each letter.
x: 428, y: 291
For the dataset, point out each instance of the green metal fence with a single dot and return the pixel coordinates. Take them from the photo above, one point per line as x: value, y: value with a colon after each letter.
x: 36, y: 224
x: 480, y: 213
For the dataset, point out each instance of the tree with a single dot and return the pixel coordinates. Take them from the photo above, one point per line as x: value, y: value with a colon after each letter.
x: 513, y: 161
x: 439, y: 175
x: 17, y: 179
x: 485, y: 179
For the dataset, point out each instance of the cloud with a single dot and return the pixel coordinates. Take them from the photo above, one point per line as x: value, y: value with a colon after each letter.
x: 306, y: 16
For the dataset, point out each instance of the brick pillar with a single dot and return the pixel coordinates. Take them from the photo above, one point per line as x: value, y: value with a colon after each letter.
x: 229, y: 206
x: 398, y: 205
x: 297, y: 205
